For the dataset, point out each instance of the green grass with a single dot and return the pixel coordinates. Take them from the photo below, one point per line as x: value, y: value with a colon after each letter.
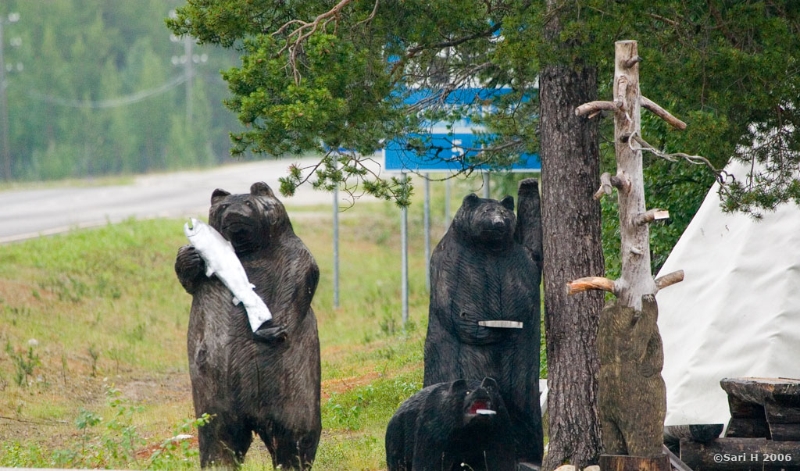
x: 93, y: 367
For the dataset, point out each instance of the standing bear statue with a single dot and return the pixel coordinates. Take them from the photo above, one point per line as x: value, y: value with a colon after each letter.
x: 484, y: 307
x: 268, y: 381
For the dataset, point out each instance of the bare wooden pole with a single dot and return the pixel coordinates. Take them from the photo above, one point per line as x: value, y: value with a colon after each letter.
x: 635, y: 238
x: 635, y: 279
x: 631, y: 393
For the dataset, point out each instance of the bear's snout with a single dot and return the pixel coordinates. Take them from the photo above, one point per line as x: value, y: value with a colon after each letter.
x: 240, y: 210
x: 235, y: 222
x: 498, y: 222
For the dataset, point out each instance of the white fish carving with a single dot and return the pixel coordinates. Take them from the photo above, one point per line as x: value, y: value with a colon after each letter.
x: 221, y: 260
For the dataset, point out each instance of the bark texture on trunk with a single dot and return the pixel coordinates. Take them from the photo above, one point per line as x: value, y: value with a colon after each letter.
x: 572, y: 245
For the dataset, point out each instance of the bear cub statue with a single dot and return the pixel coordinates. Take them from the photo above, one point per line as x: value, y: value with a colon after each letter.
x: 483, y: 318
x: 459, y: 425
x: 267, y: 382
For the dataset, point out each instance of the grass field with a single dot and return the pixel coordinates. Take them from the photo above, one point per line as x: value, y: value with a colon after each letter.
x: 93, y: 367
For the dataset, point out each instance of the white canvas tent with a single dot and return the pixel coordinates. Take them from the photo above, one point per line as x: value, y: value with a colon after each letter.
x: 737, y: 312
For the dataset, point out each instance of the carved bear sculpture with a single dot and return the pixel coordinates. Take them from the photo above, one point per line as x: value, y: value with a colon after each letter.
x: 631, y: 396
x: 459, y: 425
x: 267, y: 382
x: 484, y: 307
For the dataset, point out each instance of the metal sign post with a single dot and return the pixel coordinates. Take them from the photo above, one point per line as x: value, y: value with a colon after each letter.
x: 446, y: 205
x: 404, y: 258
x: 427, y: 228
x: 336, y: 247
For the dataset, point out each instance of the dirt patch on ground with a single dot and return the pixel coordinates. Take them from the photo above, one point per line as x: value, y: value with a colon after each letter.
x: 342, y: 385
x: 166, y: 388
x: 17, y: 411
x: 18, y: 297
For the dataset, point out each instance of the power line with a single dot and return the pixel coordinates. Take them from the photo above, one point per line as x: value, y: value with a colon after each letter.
x: 113, y: 102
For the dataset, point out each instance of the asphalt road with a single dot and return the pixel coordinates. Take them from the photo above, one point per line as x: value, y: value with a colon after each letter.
x: 31, y: 213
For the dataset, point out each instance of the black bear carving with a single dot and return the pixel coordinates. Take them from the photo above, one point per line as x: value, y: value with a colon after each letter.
x: 268, y: 382
x: 484, y: 307
x: 451, y: 426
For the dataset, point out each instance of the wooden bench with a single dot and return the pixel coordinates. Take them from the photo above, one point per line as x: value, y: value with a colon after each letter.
x: 763, y: 433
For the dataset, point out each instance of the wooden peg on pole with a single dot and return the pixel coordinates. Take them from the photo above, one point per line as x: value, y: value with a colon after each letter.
x: 636, y: 279
x: 631, y: 391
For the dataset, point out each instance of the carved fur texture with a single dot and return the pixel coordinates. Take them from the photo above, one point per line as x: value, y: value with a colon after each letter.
x: 441, y: 428
x: 481, y: 271
x: 631, y: 393
x: 249, y: 385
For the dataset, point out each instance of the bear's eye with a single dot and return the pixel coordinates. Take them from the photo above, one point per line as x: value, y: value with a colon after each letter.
x: 249, y: 204
x: 224, y: 207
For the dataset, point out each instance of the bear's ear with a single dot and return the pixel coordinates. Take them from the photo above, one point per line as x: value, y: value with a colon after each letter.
x: 218, y: 195
x: 508, y: 202
x: 457, y: 386
x: 261, y: 189
x: 470, y: 200
x: 489, y: 383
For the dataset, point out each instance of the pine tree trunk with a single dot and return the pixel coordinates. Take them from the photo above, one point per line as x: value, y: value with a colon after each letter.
x: 572, y: 246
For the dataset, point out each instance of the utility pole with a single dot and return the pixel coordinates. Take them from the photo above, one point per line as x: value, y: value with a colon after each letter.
x: 6, y: 149
x: 188, y: 73
x: 188, y: 59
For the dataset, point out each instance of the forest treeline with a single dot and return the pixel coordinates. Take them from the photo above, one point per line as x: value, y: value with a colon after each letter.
x: 101, y: 87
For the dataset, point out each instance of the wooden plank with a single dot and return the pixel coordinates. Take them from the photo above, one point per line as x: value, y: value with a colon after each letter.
x: 778, y: 413
x: 674, y: 461
x: 759, y: 390
x: 785, y: 432
x: 696, y: 432
x: 789, y: 400
x: 748, y: 428
x: 729, y: 454
x: 744, y: 410
x: 634, y: 463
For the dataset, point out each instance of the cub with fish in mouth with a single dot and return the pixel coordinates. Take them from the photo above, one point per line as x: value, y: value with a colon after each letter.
x: 254, y: 378
x: 452, y: 426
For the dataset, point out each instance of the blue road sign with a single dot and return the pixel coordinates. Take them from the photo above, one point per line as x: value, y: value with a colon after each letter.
x: 445, y: 152
x: 447, y: 148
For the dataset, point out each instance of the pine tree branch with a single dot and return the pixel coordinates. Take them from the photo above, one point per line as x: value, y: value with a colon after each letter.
x: 304, y: 30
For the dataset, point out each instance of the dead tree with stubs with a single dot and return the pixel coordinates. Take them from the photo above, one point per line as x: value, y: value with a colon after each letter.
x: 631, y: 391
